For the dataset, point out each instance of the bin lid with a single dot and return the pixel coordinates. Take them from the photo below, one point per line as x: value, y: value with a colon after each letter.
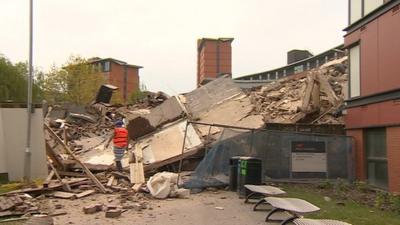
x: 248, y: 158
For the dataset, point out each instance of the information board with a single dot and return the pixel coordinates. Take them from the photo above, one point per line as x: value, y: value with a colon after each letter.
x: 309, y: 156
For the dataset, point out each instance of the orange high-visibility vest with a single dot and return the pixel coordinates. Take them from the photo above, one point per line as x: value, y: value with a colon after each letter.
x: 120, y: 137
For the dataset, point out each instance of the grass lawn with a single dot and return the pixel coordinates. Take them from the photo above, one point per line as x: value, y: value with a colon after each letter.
x: 350, y: 212
x: 9, y: 187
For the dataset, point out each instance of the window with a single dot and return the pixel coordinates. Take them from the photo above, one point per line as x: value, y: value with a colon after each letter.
x: 360, y: 8
x: 106, y: 66
x: 354, y: 71
x: 355, y: 10
x: 370, y: 5
x: 298, y: 69
x: 375, y: 146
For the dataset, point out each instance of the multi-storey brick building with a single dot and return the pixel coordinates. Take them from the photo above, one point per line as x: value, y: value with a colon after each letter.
x: 118, y: 73
x: 214, y: 58
x: 372, y: 113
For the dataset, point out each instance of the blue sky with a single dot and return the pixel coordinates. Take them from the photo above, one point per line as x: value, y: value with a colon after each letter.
x: 161, y: 35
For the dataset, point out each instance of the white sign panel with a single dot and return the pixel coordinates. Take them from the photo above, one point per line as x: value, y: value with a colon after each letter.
x: 309, y: 156
x: 308, y: 162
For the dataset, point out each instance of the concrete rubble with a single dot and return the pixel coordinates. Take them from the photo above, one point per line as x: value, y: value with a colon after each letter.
x: 81, y: 166
x: 316, y: 97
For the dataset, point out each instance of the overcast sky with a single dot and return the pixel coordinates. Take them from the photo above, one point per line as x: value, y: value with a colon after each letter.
x: 161, y: 35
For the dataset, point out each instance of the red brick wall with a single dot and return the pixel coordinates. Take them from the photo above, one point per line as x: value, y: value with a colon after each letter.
x: 207, y: 65
x: 393, y: 155
x: 378, y: 114
x: 116, y: 78
x: 380, y: 47
x: 359, y: 153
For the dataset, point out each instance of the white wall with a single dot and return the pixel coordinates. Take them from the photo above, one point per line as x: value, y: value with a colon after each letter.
x: 3, y: 155
x: 13, y: 123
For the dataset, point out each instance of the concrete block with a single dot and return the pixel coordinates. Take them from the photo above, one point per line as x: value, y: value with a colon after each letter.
x: 92, y: 208
x: 183, y: 193
x: 113, y: 213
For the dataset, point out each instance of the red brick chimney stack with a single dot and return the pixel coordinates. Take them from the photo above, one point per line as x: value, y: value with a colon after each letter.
x: 214, y: 58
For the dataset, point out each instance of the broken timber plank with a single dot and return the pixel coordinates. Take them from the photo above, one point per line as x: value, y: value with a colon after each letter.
x: 110, y: 181
x: 136, y: 166
x: 54, y: 156
x: 186, y: 154
x: 48, y: 179
x: 307, y: 94
x: 85, y: 193
x: 66, y: 186
x: 71, y: 174
x: 64, y: 195
x: 9, y: 202
x: 87, y: 171
x: 137, y: 187
x: 327, y: 89
x: 72, y: 182
x: 315, y: 97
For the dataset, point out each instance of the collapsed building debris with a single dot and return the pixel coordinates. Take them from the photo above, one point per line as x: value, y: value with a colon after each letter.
x: 313, y: 98
x: 162, y: 135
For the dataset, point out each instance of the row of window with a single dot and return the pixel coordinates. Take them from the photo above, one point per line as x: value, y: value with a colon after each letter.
x: 293, y: 69
x: 104, y: 66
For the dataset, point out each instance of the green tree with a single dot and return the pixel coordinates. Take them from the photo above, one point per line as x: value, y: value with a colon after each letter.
x: 76, y: 82
x: 138, y: 95
x: 13, y: 82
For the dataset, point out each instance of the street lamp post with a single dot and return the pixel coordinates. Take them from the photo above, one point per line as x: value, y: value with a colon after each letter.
x: 27, y: 159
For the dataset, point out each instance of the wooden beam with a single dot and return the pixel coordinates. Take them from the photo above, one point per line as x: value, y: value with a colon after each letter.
x: 136, y: 166
x: 85, y: 193
x: 65, y: 185
x: 87, y: 171
x: 327, y: 89
x: 174, y: 159
x: 110, y: 181
x: 315, y: 97
x: 48, y: 179
x: 54, y: 156
x: 307, y: 94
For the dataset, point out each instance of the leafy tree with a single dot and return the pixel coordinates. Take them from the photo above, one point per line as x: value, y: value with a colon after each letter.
x: 76, y: 82
x: 138, y: 95
x: 117, y: 98
x: 13, y: 82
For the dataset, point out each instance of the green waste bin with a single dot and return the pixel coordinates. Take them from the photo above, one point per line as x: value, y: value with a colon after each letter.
x: 233, y: 173
x: 249, y: 172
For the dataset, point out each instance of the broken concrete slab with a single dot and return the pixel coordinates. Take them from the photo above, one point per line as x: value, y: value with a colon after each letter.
x: 236, y: 112
x: 168, y: 111
x: 168, y: 142
x: 206, y: 97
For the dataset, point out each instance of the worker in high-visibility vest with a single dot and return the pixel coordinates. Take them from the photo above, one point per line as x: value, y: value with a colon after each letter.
x: 120, y: 143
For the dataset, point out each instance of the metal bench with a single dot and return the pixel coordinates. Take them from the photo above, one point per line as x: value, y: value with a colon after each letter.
x: 264, y: 190
x: 294, y: 206
x: 318, y: 222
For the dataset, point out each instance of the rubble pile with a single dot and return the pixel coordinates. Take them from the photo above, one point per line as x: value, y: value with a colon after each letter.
x: 313, y: 98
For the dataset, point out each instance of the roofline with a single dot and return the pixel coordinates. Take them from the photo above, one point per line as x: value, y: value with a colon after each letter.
x: 371, y: 16
x: 292, y: 64
x: 200, y: 41
x: 116, y: 61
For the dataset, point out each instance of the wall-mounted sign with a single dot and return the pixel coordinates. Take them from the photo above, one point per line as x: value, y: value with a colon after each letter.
x: 309, y: 156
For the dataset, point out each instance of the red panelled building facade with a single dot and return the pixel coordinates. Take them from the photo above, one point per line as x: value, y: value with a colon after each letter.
x: 372, y: 112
